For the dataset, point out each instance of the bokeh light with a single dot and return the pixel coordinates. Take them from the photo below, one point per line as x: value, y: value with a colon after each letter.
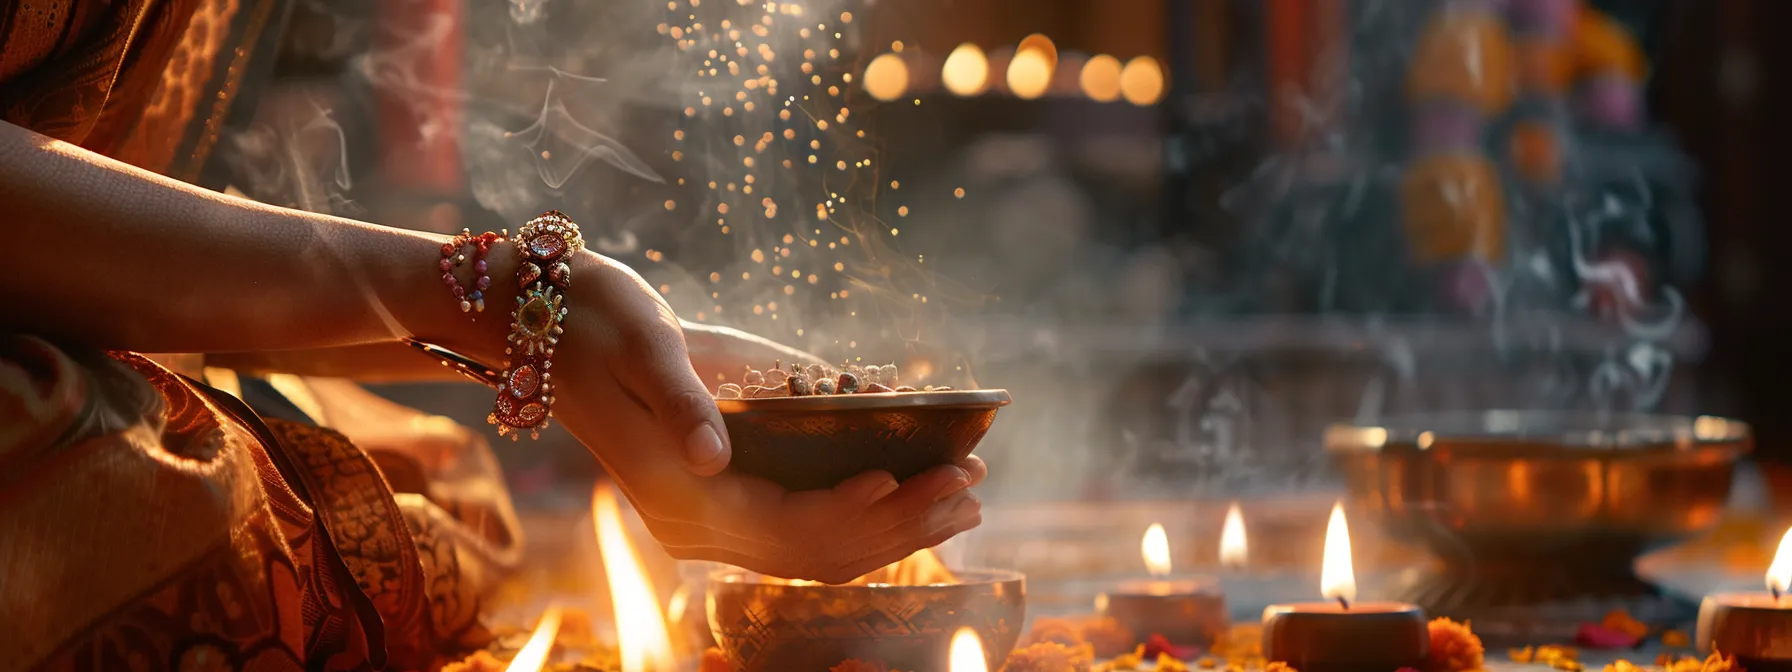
x: 1142, y: 81
x: 1029, y: 74
x: 966, y: 70
x: 1101, y: 78
x: 1042, y: 45
x: 886, y: 78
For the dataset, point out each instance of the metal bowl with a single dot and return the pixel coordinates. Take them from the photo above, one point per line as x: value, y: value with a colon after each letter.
x: 1533, y: 507
x: 767, y: 624
x: 815, y: 442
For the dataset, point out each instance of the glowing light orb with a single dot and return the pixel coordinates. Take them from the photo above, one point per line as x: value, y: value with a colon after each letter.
x: 1142, y: 81
x: 966, y: 70
x: 1029, y: 74
x: 1100, y: 78
x: 886, y: 78
x: 1040, y: 44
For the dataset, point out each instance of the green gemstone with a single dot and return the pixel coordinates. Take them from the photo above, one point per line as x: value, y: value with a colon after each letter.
x: 536, y: 316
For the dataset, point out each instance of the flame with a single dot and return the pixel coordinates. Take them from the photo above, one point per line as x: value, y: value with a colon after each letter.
x: 534, y: 655
x: 967, y: 652
x: 675, y: 607
x: 1234, y: 552
x: 1156, y: 549
x: 921, y: 568
x: 1337, y: 577
x: 641, y: 635
x: 1779, y: 574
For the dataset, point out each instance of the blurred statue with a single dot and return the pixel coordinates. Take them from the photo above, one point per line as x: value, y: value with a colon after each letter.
x: 1518, y: 71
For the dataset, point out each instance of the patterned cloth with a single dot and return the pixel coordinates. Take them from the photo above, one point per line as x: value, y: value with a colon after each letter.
x: 149, y: 521
x: 152, y: 522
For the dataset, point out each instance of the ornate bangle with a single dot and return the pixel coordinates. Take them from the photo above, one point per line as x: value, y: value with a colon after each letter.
x: 470, y: 300
x: 525, y: 394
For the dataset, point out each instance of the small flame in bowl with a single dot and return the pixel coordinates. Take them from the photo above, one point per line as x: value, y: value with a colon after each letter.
x: 1779, y: 574
x: 641, y: 635
x: 967, y: 652
x: 1156, y: 549
x: 534, y: 654
x: 1337, y: 575
x: 1234, y: 551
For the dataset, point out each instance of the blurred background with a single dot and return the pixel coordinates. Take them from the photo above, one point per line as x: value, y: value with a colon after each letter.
x: 1187, y: 235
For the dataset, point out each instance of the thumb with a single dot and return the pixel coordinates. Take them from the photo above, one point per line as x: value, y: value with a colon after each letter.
x: 658, y: 373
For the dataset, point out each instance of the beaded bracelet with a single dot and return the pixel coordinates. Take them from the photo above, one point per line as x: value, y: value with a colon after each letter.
x: 473, y: 300
x: 525, y: 394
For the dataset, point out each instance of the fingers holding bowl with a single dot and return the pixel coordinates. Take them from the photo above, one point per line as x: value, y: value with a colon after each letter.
x: 837, y: 561
x: 830, y: 535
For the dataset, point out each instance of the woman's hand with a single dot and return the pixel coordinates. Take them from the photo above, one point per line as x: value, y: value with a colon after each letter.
x: 627, y: 388
x: 164, y: 266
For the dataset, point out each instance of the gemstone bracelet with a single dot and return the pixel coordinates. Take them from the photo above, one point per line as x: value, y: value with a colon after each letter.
x: 525, y: 392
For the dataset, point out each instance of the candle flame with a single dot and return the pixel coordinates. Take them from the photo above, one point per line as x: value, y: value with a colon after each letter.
x: 1234, y: 551
x: 534, y: 654
x: 641, y: 636
x: 967, y: 652
x: 1337, y: 576
x: 676, y: 606
x: 1779, y: 574
x: 1156, y: 549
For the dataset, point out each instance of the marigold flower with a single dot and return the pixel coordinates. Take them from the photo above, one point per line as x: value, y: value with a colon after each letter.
x: 1454, y: 648
x: 1051, y: 657
x: 714, y: 661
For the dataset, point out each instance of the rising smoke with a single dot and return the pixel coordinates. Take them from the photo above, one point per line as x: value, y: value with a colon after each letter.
x: 726, y: 152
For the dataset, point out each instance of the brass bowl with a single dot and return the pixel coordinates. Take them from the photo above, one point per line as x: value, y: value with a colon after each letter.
x: 773, y: 625
x: 815, y: 442
x: 1533, y: 507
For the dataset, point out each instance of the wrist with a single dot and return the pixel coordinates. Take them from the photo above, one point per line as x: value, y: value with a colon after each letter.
x: 425, y: 308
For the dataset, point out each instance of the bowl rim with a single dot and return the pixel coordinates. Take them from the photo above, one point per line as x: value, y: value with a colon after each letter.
x: 1504, y: 432
x: 992, y: 398
x: 985, y: 577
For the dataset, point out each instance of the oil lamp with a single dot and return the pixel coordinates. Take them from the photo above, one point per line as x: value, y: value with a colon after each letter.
x: 1342, y: 634
x: 1754, y: 627
x: 1187, y: 612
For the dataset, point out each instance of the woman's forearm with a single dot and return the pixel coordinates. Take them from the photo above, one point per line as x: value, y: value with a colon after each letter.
x: 717, y: 353
x: 116, y: 257
x: 371, y: 363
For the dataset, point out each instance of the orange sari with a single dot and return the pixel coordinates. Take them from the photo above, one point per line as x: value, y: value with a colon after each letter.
x: 149, y: 521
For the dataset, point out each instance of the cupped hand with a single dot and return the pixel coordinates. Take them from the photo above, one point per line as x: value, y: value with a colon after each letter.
x: 626, y: 387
